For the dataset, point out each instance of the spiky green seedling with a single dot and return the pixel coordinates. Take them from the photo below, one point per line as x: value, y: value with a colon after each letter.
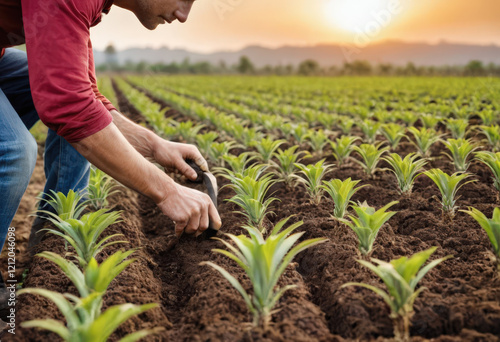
x: 448, y: 186
x: 341, y: 193
x: 491, y: 227
x: 264, y: 261
x: 400, y: 277
x: 367, y: 224
x: 405, y: 170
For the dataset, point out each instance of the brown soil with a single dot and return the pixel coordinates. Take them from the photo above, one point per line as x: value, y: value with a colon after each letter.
x: 461, y: 303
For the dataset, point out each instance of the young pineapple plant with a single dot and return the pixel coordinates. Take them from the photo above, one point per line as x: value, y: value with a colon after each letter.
x: 309, y: 116
x: 265, y: 148
x: 204, y: 142
x: 314, y: 174
x: 424, y: 139
x: 367, y: 224
x: 488, y: 116
x: 429, y: 121
x: 346, y: 123
x: 405, y: 170
x: 264, y: 261
x: 361, y: 112
x: 85, y: 321
x: 370, y: 129
x: 317, y: 140
x: 448, y: 186
x: 251, y: 191
x: 254, y: 171
x: 371, y: 155
x: 272, y: 123
x: 341, y: 193
x: 408, y: 117
x: 492, y: 134
x: 287, y: 129
x: 64, y: 207
x: 327, y: 120
x: 457, y: 127
x: 491, y: 227
x: 299, y: 133
x: 460, y: 152
x: 166, y: 128
x: 383, y: 116
x: 237, y: 164
x: 463, y: 113
x: 285, y: 167
x: 101, y: 186
x: 393, y: 133
x: 95, y: 278
x: 401, y: 277
x: 187, y: 131
x: 218, y: 150
x: 492, y: 160
x: 245, y: 135
x: 82, y: 326
x: 343, y: 147
x: 83, y: 234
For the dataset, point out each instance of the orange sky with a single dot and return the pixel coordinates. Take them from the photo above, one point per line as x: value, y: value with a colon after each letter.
x: 232, y: 24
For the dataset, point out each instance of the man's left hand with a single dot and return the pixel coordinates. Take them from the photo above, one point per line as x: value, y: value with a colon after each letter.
x: 172, y: 155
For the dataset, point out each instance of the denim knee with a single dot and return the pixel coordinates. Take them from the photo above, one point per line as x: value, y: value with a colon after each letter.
x: 17, y: 163
x: 31, y: 153
x: 22, y: 157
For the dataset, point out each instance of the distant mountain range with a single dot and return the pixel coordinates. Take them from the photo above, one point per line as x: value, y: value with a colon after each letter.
x: 394, y: 52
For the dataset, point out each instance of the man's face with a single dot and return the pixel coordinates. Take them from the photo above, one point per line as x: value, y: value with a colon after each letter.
x: 151, y: 13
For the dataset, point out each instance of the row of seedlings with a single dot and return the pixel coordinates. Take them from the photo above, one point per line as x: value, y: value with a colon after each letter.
x: 86, y: 320
x: 404, y: 273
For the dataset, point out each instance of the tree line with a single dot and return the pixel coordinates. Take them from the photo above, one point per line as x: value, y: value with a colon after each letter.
x: 309, y: 67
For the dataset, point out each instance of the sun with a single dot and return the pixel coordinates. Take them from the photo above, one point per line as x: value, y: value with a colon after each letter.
x: 354, y: 15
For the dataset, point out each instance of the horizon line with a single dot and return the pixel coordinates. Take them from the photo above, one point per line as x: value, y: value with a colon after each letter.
x: 275, y: 47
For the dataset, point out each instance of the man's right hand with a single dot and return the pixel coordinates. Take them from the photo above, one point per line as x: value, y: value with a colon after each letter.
x: 191, y: 210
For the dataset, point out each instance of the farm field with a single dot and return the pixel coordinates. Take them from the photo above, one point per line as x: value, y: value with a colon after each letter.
x: 239, y: 123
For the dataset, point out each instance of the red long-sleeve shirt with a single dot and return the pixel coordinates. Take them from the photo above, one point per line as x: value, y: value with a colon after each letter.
x: 60, y: 61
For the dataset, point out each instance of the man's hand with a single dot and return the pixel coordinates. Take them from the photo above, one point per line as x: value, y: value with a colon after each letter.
x: 173, y: 155
x: 190, y: 210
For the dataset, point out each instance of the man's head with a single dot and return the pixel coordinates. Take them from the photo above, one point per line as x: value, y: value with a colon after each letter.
x: 151, y: 13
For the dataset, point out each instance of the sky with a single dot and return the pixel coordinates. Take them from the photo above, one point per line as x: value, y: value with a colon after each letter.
x: 215, y: 25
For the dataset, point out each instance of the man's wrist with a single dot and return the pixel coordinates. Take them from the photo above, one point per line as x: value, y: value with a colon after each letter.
x: 160, y: 185
x: 153, y: 142
x: 158, y: 144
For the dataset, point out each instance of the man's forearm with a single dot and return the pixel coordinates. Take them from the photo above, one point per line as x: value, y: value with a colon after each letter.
x: 142, y: 139
x: 111, y: 152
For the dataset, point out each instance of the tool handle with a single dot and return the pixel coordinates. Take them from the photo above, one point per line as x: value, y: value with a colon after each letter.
x: 197, y: 169
x: 212, y: 193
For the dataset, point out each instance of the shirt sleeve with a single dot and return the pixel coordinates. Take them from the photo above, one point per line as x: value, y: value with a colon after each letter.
x: 61, y: 68
x: 93, y: 79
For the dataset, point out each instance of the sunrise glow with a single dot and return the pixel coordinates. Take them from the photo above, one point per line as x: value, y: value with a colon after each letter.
x: 361, y: 15
x: 299, y: 22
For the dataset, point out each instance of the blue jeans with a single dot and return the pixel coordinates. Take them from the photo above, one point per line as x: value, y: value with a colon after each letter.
x: 64, y: 167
